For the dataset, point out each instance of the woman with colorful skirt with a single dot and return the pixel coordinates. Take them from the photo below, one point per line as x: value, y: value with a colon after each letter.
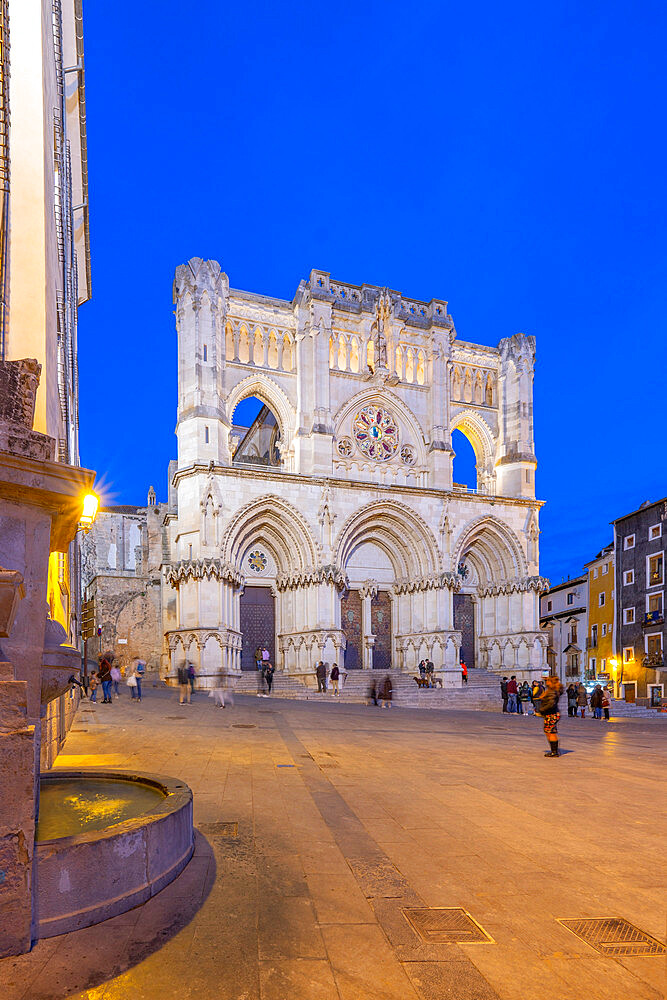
x: 546, y: 705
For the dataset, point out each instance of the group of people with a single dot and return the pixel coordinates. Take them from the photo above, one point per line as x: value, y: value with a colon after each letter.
x: 334, y: 674
x: 265, y: 671
x: 519, y: 698
x: 427, y: 673
x: 109, y: 675
x: 578, y: 701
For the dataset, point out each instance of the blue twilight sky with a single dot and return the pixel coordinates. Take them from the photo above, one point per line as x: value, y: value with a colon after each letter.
x: 509, y: 158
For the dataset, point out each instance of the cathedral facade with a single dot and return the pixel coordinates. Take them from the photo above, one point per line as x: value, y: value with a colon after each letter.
x: 325, y: 522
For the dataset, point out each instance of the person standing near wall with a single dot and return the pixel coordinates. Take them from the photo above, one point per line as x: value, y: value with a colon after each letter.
x: 105, y: 678
x: 335, y: 675
x: 115, y: 677
x: 183, y: 685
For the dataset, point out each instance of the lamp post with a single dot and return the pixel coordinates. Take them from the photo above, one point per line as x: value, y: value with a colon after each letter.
x: 90, y: 505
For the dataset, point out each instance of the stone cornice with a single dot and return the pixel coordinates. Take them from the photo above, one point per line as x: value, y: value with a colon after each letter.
x: 312, y: 578
x: 439, y: 581
x: 523, y: 584
x: 203, y: 569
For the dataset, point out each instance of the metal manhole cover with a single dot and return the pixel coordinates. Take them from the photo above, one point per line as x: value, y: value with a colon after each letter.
x: 244, y: 725
x: 219, y: 829
x: 446, y: 924
x: 614, y: 936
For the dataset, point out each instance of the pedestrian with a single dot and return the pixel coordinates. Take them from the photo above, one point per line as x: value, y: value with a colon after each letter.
x: 512, y: 692
x: 373, y: 693
x: 266, y: 656
x: 184, y: 685
x: 335, y: 675
x: 258, y: 657
x: 141, y: 670
x: 386, y: 692
x: 582, y: 700
x: 503, y: 692
x: 525, y: 698
x: 269, y: 671
x: 105, y: 678
x: 464, y: 672
x: 343, y: 677
x: 327, y: 671
x: 596, y: 701
x: 321, y: 674
x: 131, y: 680
x: 191, y: 677
x: 94, y: 681
x: 422, y: 669
x: 571, y: 700
x: 547, y: 706
x: 606, y: 702
x: 430, y: 672
x: 115, y: 677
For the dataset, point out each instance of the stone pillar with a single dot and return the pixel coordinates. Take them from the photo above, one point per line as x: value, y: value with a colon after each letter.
x: 368, y: 591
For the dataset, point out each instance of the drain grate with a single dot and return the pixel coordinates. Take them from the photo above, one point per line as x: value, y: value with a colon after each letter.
x: 446, y: 925
x: 244, y: 725
x: 614, y: 936
x: 219, y: 829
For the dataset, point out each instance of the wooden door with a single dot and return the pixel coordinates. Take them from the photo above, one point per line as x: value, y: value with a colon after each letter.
x: 258, y: 624
x: 350, y: 622
x: 381, y: 629
x: 464, y: 622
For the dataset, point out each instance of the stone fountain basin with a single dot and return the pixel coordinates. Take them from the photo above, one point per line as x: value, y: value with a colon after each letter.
x: 91, y: 876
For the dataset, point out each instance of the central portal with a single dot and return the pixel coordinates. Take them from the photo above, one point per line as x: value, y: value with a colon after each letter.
x: 464, y: 621
x: 381, y: 629
x: 258, y: 624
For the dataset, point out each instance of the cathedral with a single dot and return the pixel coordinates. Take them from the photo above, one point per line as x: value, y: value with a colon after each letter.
x: 312, y: 508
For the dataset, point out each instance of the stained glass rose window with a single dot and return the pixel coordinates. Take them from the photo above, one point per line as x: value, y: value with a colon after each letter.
x: 257, y: 561
x: 376, y: 433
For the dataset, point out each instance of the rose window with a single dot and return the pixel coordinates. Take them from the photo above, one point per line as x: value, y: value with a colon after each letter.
x: 376, y: 433
x: 257, y: 561
x: 345, y: 447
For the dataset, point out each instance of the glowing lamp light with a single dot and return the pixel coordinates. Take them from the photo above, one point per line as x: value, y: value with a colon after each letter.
x: 613, y: 663
x: 91, y: 502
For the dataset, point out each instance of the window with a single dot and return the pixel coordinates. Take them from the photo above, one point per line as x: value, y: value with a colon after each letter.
x: 570, y: 598
x: 601, y: 599
x: 605, y: 568
x: 628, y: 577
x: 573, y: 633
x: 205, y: 353
x: 595, y: 572
x: 654, y: 604
x: 591, y: 666
x: 655, y: 531
x: 629, y: 542
x: 549, y: 605
x: 594, y: 635
x: 654, y: 570
x: 628, y: 654
x: 604, y: 628
x: 206, y: 435
x: 628, y: 616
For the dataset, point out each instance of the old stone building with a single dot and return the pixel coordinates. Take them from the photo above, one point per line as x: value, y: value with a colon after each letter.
x: 121, y: 573
x: 329, y: 525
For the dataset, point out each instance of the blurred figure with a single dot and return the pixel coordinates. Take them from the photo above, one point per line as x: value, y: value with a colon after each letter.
x: 94, y: 682
x: 571, y: 700
x: 386, y: 692
x: 606, y: 702
x: 131, y: 680
x: 596, y: 701
x: 547, y: 706
x: 269, y: 671
x: 115, y: 677
x: 191, y: 678
x: 582, y: 700
x: 335, y: 675
x: 183, y: 685
x: 104, y: 674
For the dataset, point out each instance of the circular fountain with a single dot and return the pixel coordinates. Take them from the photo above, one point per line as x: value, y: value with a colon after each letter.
x: 105, y: 842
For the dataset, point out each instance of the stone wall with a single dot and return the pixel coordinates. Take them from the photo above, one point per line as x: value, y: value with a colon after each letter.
x: 55, y: 726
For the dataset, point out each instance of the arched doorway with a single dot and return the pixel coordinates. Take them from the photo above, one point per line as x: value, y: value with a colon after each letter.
x: 464, y: 470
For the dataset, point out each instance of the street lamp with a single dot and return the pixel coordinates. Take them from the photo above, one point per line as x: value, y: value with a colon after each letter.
x: 613, y: 663
x: 91, y: 502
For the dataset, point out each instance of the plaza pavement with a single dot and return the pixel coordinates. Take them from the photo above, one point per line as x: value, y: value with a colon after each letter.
x: 346, y: 816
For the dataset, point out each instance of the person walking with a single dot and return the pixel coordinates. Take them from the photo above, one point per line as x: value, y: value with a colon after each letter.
x: 321, y: 674
x: 596, y: 701
x: 464, y: 672
x: 269, y: 671
x: 343, y: 677
x: 94, y: 682
x: 582, y: 700
x: 503, y: 693
x: 184, y: 685
x: 547, y: 706
x: 335, y: 676
x: 571, y: 700
x: 386, y: 692
x: 606, y: 702
x: 105, y: 678
x: 512, y: 692
x: 131, y: 681
x: 141, y: 670
x: 191, y: 678
x: 373, y: 693
x: 525, y: 699
x: 115, y: 677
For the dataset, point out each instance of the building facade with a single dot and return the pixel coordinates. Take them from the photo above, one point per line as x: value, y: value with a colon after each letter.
x: 328, y: 525
x: 45, y: 249
x: 564, y: 615
x: 601, y: 616
x: 639, y: 540
x: 121, y: 560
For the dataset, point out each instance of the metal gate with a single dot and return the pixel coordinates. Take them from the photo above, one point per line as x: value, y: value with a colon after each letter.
x: 350, y: 618
x: 258, y: 624
x: 464, y: 622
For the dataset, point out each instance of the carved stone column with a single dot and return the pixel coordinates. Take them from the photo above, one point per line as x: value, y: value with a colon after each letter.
x: 368, y: 591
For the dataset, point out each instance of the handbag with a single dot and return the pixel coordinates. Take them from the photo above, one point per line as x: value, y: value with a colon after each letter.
x: 131, y: 681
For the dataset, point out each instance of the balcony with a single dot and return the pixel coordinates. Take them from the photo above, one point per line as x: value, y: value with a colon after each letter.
x: 653, y: 618
x: 654, y: 660
x: 655, y: 577
x: 591, y: 642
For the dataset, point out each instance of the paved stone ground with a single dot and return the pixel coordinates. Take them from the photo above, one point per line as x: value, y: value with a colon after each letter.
x: 348, y: 815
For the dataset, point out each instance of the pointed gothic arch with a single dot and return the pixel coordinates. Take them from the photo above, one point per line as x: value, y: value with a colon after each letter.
x: 272, y: 521
x: 396, y: 529
x: 493, y: 548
